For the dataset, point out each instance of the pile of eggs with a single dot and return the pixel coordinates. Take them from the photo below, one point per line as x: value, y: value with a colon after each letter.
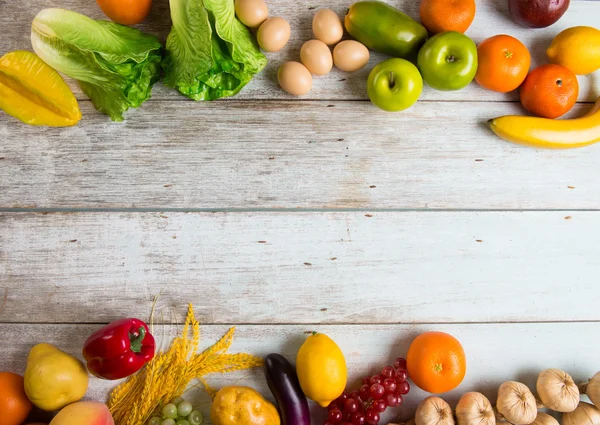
x: 316, y: 57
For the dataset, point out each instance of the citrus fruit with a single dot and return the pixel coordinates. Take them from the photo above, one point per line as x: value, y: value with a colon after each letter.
x: 550, y: 91
x: 436, y: 362
x: 14, y: 404
x: 577, y: 48
x: 321, y: 369
x: 503, y: 63
x: 129, y: 12
x: 447, y: 15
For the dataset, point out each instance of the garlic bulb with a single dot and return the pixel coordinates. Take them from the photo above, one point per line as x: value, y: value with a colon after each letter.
x: 557, y: 390
x: 585, y: 414
x: 592, y: 389
x: 516, y: 403
x: 434, y: 411
x: 545, y: 419
x: 475, y: 409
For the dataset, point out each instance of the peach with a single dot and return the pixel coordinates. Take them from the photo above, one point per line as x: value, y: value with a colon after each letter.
x: 84, y: 413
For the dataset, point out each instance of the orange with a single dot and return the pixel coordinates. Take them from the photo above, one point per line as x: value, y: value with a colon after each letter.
x: 503, y: 63
x: 436, y: 362
x: 14, y: 404
x: 126, y: 12
x: 447, y: 15
x: 550, y: 91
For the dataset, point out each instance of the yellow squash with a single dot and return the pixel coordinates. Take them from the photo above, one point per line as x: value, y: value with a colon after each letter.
x: 34, y: 93
x: 548, y: 133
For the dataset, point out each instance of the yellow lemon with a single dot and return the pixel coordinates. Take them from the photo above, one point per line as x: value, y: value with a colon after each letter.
x: 321, y: 369
x: 577, y: 48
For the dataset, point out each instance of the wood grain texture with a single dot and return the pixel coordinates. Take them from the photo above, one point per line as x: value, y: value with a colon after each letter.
x: 283, y: 155
x: 495, y: 353
x: 302, y: 267
x: 492, y: 18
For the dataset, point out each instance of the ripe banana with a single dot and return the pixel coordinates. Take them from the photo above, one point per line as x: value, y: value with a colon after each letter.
x: 548, y: 133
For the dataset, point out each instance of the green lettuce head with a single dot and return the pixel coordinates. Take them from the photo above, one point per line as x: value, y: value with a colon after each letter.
x: 115, y: 65
x: 210, y: 54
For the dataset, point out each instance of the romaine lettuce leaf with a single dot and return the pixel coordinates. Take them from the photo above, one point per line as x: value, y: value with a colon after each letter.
x: 115, y: 65
x: 210, y: 54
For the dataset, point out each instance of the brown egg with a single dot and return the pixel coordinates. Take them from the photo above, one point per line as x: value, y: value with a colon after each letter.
x: 350, y: 55
x: 327, y: 26
x: 252, y: 13
x: 316, y: 57
x: 294, y: 78
x: 273, y: 34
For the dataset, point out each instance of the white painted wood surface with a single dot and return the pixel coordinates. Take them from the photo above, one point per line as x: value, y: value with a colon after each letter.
x: 303, y: 267
x: 495, y: 352
x: 291, y: 155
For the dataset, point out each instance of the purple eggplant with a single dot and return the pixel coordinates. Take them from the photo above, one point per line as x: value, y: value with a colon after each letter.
x: 283, y: 383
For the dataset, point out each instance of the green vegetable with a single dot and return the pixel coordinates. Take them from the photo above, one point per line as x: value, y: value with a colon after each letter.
x: 210, y: 53
x: 115, y: 65
x: 385, y: 29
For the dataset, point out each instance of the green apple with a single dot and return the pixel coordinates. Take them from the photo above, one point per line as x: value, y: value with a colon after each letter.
x: 394, y: 85
x: 448, y: 61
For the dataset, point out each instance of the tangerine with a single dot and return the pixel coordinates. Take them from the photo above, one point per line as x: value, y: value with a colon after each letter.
x: 126, y: 12
x: 550, y: 91
x: 447, y: 15
x: 14, y: 404
x: 503, y: 63
x: 436, y: 362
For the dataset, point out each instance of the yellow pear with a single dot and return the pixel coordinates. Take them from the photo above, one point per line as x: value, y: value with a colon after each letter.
x: 53, y: 378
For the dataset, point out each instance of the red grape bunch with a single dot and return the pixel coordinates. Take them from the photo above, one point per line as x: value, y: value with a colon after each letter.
x: 377, y: 393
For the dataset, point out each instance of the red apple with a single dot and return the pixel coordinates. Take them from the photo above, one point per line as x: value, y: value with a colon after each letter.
x: 537, y: 13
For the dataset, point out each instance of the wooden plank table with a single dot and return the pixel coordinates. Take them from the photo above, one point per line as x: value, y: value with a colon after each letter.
x: 283, y: 216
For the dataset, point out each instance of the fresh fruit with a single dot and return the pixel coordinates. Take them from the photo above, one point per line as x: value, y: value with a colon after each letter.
x: 577, y: 48
x: 53, y: 378
x: 436, y: 362
x: 84, y: 413
x: 327, y: 26
x: 447, y: 15
x: 273, y: 34
x: 350, y: 55
x: 251, y: 13
x: 33, y: 92
x: 294, y: 78
x: 177, y: 412
x: 385, y: 29
x: 242, y: 405
x: 14, y: 404
x: 503, y: 63
x: 549, y: 133
x: 130, y: 12
x: 550, y: 91
x: 365, y: 405
x: 537, y: 13
x: 321, y: 369
x: 448, y: 61
x: 394, y: 85
x: 195, y: 418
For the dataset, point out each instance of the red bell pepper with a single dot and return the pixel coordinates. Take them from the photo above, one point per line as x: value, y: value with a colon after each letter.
x: 119, y: 350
